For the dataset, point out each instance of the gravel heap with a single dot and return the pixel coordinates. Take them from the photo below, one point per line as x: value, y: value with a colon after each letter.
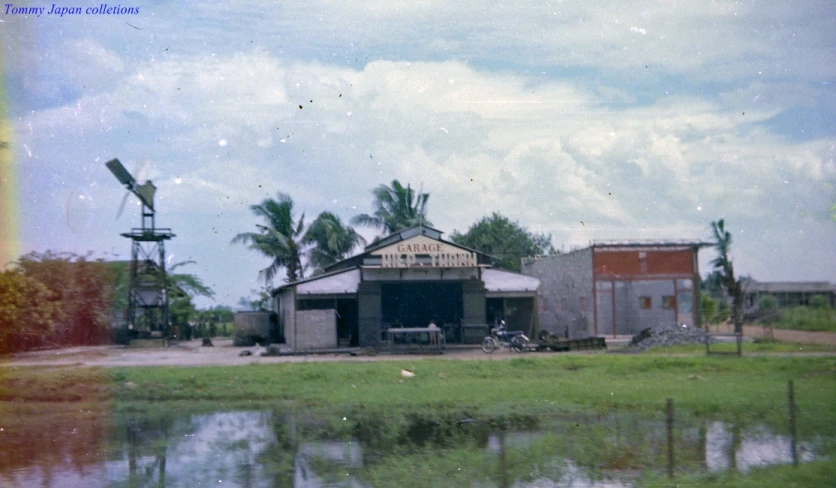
x: 667, y: 335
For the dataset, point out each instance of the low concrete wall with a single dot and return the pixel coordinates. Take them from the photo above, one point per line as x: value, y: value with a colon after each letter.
x: 250, y: 327
x: 314, y: 329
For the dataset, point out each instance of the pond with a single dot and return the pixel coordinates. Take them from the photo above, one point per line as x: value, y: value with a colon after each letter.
x: 255, y: 448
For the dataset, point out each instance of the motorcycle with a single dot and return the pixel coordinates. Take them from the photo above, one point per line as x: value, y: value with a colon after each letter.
x: 512, y: 339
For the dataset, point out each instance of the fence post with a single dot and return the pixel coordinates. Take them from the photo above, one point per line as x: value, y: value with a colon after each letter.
x: 793, y: 443
x: 669, y: 419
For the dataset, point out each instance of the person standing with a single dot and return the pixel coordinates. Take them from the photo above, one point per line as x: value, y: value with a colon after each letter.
x: 433, y: 332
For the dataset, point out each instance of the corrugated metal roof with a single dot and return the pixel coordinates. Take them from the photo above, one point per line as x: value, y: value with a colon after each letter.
x: 650, y: 243
x: 334, y: 284
x: 505, y: 281
x: 752, y: 286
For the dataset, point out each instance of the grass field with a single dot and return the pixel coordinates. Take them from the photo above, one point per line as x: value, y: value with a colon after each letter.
x: 717, y: 386
x: 758, y: 347
x: 807, y: 318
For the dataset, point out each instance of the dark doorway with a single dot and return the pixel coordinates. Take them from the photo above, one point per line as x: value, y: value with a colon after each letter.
x: 416, y: 304
x: 494, y: 310
x: 347, y: 326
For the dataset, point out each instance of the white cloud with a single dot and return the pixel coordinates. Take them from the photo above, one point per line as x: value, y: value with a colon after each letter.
x: 551, y: 147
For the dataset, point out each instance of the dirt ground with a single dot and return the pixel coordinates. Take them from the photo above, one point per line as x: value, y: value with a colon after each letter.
x: 191, y: 353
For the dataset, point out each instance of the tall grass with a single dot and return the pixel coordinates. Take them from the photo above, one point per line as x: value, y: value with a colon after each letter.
x: 807, y: 318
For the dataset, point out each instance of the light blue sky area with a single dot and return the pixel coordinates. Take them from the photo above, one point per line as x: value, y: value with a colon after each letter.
x: 586, y: 120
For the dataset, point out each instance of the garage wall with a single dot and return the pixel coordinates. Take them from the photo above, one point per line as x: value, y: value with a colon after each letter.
x: 315, y: 329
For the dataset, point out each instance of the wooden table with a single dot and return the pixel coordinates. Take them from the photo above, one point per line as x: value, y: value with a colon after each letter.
x: 407, y: 331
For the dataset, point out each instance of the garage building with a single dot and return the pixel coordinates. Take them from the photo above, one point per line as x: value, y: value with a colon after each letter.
x: 407, y: 279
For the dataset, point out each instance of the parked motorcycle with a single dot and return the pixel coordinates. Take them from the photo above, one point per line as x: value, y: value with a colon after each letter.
x: 512, y: 339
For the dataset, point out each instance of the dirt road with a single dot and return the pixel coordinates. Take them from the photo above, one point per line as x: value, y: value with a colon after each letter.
x: 192, y: 354
x: 224, y: 354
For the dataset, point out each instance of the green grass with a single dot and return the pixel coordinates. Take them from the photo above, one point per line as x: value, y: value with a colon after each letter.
x: 807, y: 318
x: 726, y: 387
x: 758, y: 347
x: 813, y: 475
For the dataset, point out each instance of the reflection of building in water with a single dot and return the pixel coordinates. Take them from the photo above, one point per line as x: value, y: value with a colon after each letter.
x: 727, y: 447
x: 613, y: 288
x: 405, y: 280
x: 311, y: 456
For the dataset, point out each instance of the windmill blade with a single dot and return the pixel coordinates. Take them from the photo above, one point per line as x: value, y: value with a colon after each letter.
x: 120, y: 172
x: 122, y: 205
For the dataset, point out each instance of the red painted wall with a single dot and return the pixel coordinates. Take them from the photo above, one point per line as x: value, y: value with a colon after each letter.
x: 629, y: 263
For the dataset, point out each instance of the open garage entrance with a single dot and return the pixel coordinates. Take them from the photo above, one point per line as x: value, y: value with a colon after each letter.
x: 416, y: 304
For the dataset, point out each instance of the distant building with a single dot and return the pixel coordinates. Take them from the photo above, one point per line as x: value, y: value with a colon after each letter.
x: 613, y: 288
x: 787, y: 293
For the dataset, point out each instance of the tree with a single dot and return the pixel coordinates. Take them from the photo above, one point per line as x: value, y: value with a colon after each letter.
x: 733, y: 286
x: 260, y: 302
x: 712, y: 285
x: 332, y: 241
x: 508, y: 242
x: 28, y: 311
x: 395, y: 208
x: 83, y: 288
x: 181, y: 289
x: 279, y: 239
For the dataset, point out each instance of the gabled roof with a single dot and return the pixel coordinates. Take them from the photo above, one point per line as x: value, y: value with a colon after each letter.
x: 420, y: 230
x: 400, y: 236
x: 344, y: 277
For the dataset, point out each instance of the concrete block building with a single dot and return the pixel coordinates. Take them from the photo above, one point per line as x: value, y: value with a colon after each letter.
x: 405, y: 280
x: 617, y: 288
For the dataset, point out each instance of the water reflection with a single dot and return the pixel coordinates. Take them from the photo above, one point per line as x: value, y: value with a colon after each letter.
x: 269, y: 448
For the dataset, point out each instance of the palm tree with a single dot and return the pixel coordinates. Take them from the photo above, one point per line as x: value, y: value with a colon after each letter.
x: 396, y: 208
x: 331, y: 239
x: 181, y: 288
x: 279, y: 239
x: 725, y: 268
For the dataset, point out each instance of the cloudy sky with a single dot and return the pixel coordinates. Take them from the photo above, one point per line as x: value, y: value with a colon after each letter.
x: 586, y: 120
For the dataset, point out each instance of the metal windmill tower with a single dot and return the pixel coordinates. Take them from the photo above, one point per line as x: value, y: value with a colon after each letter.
x: 147, y: 296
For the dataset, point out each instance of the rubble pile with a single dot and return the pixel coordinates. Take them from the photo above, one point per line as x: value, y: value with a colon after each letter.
x: 667, y: 335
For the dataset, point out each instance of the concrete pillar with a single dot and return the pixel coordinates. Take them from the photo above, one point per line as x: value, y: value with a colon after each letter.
x: 473, y: 302
x: 369, y: 314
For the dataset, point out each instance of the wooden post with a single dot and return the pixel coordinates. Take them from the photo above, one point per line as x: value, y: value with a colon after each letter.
x: 793, y: 443
x: 669, y: 408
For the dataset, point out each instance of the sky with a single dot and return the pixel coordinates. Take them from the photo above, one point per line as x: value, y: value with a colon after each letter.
x: 585, y: 120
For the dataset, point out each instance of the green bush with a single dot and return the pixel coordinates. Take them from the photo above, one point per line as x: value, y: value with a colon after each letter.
x: 819, y: 301
x: 767, y: 303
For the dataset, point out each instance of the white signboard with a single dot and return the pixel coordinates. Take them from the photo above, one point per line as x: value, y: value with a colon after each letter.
x: 435, y: 255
